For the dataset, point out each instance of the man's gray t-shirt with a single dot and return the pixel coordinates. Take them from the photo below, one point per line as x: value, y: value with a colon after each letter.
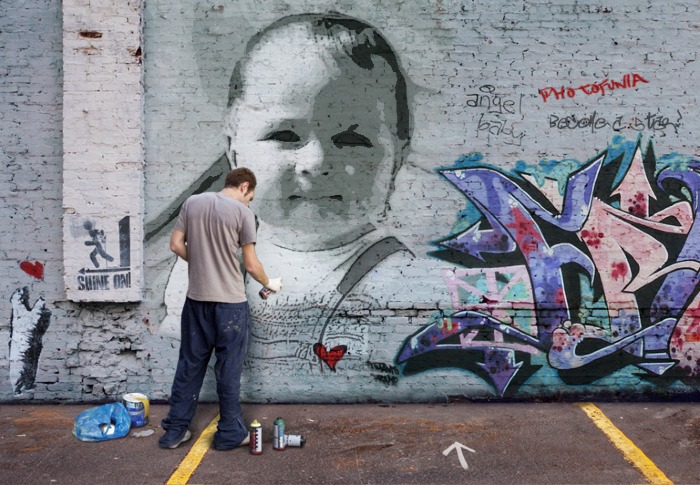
x: 215, y: 227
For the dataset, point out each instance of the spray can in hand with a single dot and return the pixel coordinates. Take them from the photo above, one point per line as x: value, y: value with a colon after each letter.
x: 280, y: 442
x: 265, y: 292
x: 256, y: 438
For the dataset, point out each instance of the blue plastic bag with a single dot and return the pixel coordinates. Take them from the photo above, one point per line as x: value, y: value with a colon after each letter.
x: 106, y: 422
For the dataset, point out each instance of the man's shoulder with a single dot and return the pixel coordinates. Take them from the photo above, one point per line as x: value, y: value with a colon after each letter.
x: 201, y: 197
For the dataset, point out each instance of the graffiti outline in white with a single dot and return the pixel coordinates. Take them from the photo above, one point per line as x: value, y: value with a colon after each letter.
x: 458, y: 446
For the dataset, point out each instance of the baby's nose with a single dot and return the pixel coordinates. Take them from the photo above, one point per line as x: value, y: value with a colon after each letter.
x: 309, y: 160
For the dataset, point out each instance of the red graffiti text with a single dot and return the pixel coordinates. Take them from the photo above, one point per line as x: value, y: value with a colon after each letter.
x: 606, y: 85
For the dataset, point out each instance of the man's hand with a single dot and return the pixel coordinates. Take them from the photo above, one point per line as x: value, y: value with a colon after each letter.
x: 275, y: 284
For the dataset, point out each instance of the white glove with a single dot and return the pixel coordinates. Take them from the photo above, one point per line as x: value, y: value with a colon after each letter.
x: 275, y: 284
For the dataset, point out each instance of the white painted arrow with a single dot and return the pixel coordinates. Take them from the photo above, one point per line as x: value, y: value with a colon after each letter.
x: 458, y: 446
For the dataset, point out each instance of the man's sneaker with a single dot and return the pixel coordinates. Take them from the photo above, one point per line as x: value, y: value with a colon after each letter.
x: 245, y: 442
x: 166, y: 441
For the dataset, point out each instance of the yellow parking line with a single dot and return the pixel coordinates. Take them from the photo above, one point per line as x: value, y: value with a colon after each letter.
x: 190, y: 463
x: 629, y: 450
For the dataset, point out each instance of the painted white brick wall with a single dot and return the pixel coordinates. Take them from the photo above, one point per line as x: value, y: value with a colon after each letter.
x: 84, y: 96
x: 103, y: 153
x: 30, y: 155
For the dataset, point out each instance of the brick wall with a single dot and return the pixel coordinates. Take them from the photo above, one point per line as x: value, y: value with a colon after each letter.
x: 529, y: 223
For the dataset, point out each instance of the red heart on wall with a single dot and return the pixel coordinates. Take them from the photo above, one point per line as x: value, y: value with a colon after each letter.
x: 330, y: 357
x: 35, y: 269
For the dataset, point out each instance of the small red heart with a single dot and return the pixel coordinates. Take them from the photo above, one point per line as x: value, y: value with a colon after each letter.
x: 35, y: 269
x: 330, y: 357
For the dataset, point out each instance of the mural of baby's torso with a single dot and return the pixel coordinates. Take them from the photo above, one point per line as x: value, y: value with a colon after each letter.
x: 334, y: 322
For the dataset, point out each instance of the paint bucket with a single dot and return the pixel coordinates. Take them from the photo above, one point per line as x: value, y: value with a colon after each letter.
x: 138, y: 406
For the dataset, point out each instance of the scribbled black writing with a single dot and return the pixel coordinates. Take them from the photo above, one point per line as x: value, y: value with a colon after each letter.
x: 499, y: 127
x: 385, y: 379
x: 654, y: 122
x: 494, y: 102
x: 499, y: 110
x: 382, y: 367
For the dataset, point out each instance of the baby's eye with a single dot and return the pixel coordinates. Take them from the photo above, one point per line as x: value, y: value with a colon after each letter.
x: 350, y: 138
x: 284, y: 136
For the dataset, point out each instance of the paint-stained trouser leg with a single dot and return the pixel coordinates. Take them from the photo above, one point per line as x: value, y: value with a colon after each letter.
x: 197, y: 342
x: 233, y: 328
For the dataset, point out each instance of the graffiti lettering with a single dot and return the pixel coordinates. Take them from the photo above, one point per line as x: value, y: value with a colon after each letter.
x: 623, y: 236
x: 499, y: 109
x: 382, y: 367
x: 652, y: 122
x: 385, y: 379
x: 628, y: 81
x: 498, y: 127
x: 494, y: 102
x: 390, y: 373
x: 594, y: 122
x: 572, y: 122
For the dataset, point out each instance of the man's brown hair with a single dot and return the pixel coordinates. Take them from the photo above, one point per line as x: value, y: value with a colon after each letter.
x: 237, y: 176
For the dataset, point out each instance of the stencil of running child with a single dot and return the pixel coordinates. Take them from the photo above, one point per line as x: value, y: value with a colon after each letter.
x: 98, y: 238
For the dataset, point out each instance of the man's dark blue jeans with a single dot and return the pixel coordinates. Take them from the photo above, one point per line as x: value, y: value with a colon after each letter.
x: 206, y: 327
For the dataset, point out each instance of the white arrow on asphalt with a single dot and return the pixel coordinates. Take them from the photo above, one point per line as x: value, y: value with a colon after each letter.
x: 458, y: 446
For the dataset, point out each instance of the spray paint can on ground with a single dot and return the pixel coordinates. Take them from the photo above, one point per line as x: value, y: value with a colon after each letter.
x: 256, y: 438
x: 294, y: 440
x: 279, y: 442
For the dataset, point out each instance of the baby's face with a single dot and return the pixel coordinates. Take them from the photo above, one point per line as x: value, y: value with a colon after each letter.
x: 318, y: 133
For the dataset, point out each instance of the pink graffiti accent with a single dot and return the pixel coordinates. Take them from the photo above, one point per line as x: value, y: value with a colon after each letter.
x: 634, y: 189
x: 628, y: 81
x: 592, y: 237
x: 492, y: 298
x: 566, y: 339
x: 619, y: 270
x: 527, y: 237
x: 35, y: 269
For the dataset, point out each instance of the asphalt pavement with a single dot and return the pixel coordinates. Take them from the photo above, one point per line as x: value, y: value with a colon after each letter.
x: 481, y: 443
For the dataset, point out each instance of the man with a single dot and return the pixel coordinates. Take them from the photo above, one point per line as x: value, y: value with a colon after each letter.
x: 210, y: 230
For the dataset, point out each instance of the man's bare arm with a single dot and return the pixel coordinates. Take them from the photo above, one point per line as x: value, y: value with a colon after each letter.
x: 177, y: 244
x: 253, y: 265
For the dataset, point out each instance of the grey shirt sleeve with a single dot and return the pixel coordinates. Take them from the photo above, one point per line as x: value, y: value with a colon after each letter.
x: 248, y: 233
